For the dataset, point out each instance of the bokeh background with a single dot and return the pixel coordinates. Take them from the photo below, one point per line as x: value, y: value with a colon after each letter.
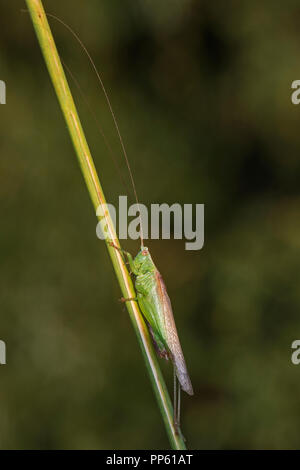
x: 202, y: 91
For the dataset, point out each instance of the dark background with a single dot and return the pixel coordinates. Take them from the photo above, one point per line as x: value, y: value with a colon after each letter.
x: 202, y: 93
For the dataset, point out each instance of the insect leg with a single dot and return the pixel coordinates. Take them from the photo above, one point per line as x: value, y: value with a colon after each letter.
x: 178, y: 405
x: 129, y: 257
x: 175, y: 400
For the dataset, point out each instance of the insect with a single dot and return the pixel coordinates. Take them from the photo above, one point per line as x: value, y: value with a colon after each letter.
x: 152, y: 295
x: 156, y: 307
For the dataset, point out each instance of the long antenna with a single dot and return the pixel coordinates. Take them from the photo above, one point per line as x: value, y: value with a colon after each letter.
x: 112, y: 113
x: 106, y: 142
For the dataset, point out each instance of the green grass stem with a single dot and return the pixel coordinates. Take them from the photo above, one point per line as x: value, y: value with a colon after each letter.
x: 88, y: 169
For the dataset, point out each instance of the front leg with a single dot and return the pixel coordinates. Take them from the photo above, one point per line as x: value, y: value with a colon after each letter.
x: 129, y: 257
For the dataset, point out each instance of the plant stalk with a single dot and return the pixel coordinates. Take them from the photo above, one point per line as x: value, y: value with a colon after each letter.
x: 88, y: 169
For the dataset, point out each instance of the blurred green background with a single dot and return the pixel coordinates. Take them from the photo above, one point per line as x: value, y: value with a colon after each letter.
x: 202, y: 93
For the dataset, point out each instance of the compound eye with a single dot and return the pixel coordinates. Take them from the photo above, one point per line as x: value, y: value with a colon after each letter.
x: 144, y: 252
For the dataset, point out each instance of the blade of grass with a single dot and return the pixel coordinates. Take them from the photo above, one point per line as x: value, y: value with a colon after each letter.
x: 88, y: 169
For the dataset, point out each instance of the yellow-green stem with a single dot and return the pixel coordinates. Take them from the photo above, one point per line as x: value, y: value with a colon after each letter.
x: 68, y: 108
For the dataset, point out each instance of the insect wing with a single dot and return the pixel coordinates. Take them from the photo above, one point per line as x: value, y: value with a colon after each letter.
x: 172, y: 336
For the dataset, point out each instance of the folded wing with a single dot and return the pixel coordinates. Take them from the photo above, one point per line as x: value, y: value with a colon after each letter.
x: 172, y: 337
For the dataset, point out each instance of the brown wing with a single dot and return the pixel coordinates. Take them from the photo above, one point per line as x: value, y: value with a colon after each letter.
x: 172, y: 337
